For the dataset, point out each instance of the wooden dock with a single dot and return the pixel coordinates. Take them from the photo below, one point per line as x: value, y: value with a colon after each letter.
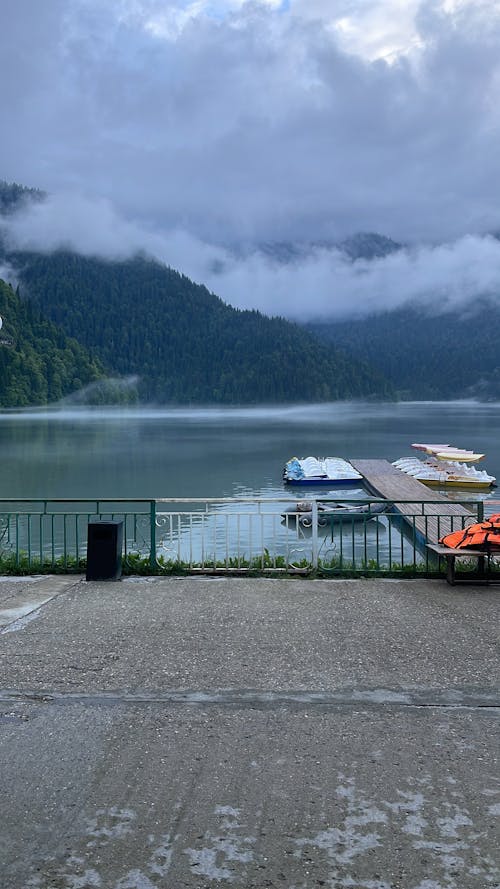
x: 428, y: 520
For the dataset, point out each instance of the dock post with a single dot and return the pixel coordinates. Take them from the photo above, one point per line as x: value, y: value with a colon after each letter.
x: 314, y: 516
x: 152, y: 534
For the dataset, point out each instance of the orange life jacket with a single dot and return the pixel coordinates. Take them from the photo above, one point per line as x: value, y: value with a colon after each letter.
x: 485, y: 535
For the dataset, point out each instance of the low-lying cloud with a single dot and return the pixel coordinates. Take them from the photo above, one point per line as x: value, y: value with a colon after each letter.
x: 329, y: 285
x: 318, y: 282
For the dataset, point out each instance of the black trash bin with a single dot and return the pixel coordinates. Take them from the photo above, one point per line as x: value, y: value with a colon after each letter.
x: 104, y: 550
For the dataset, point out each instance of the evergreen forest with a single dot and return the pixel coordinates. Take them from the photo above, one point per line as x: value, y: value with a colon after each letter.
x: 425, y: 355
x: 140, y: 330
x: 13, y: 196
x: 184, y: 344
x: 38, y: 362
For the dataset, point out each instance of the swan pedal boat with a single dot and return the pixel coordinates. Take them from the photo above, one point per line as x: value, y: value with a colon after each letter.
x: 331, y: 471
x: 445, y: 469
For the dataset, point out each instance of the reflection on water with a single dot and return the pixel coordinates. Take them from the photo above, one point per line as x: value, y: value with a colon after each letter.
x: 236, y: 532
x: 149, y: 452
x: 212, y: 534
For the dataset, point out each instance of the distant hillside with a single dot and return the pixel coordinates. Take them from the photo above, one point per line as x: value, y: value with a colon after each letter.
x: 363, y: 245
x: 369, y: 245
x: 427, y: 356
x: 13, y: 196
x: 38, y: 363
x: 183, y: 342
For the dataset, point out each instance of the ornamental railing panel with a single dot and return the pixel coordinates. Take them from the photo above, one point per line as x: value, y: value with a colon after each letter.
x: 231, y: 535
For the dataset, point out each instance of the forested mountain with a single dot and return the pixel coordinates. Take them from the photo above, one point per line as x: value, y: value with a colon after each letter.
x: 38, y: 363
x: 363, y: 245
x: 427, y: 356
x: 184, y: 343
x: 13, y: 196
x: 368, y: 245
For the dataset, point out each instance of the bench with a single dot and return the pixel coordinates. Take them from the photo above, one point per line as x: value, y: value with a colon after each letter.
x: 484, y: 574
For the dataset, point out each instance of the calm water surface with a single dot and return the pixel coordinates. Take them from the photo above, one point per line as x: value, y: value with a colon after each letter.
x: 149, y: 453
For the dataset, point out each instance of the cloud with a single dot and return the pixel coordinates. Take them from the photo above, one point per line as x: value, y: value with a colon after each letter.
x: 318, y: 282
x: 188, y: 128
x: 377, y: 29
x: 241, y: 121
x: 328, y: 285
x: 93, y: 227
x: 8, y: 274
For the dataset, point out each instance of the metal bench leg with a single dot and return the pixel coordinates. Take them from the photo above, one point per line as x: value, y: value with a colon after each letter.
x: 450, y: 569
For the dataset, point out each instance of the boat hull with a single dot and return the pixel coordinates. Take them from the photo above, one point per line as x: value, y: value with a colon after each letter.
x: 343, y: 515
x: 449, y: 473
x: 463, y: 484
x: 324, y: 482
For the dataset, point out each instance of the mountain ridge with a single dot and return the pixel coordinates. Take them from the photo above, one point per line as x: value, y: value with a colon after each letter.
x: 139, y: 317
x: 447, y: 356
x: 220, y: 354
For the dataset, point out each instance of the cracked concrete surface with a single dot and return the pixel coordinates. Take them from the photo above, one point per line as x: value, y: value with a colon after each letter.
x: 251, y: 733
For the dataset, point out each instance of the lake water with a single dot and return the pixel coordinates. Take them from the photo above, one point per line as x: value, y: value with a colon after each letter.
x: 142, y: 452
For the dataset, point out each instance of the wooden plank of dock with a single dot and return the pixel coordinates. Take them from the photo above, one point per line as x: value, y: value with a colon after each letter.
x: 431, y: 520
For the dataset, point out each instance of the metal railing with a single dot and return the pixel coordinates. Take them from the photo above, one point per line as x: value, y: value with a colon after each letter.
x: 237, y: 535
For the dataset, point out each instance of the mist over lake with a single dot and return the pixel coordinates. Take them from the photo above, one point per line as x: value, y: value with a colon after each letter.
x: 217, y: 452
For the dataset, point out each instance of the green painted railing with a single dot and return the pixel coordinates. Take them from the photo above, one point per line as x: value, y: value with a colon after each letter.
x: 227, y: 535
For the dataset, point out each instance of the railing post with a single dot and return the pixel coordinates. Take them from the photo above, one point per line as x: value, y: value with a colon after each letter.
x: 314, y: 516
x: 480, y: 510
x: 152, y: 533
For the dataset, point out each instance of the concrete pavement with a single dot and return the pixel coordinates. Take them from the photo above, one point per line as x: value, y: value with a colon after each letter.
x: 244, y: 732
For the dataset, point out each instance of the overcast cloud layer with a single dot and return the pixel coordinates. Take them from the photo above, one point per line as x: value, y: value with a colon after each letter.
x: 185, y: 128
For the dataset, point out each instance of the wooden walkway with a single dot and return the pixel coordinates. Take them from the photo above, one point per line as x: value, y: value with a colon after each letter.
x: 429, y: 521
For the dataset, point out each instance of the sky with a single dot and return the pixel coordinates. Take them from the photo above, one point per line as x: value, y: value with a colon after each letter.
x: 198, y: 129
